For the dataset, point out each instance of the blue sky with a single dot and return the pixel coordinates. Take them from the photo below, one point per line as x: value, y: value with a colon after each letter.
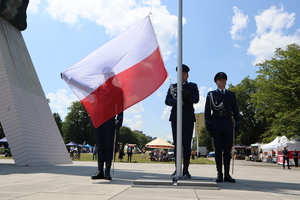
x: 230, y: 36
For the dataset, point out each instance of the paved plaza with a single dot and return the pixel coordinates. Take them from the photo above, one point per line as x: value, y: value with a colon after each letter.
x: 72, y: 182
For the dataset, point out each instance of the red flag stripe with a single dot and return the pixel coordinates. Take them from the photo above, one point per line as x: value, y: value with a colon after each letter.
x: 126, y: 89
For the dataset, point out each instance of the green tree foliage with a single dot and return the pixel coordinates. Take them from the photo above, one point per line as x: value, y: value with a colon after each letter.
x: 251, y: 127
x: 205, y: 140
x: 77, y: 126
x: 58, y: 122
x: 278, y: 93
x: 126, y: 135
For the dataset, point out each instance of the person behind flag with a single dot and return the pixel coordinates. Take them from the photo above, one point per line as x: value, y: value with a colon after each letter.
x: 190, y: 96
x: 220, y: 106
x: 106, y: 132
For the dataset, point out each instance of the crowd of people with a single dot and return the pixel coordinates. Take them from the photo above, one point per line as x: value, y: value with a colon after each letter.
x: 5, y: 150
x: 161, y: 155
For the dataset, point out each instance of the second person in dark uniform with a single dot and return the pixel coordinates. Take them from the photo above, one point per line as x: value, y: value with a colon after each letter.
x: 190, y: 96
x: 220, y: 107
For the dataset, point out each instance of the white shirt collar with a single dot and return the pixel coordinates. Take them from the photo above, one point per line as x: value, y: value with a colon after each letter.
x: 220, y: 90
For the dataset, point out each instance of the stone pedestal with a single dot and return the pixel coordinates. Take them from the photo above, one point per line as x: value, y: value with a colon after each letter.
x: 27, y: 121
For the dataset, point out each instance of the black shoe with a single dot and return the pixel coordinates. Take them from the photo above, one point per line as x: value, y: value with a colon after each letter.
x: 289, y: 168
x: 187, y: 174
x: 108, y: 177
x: 228, y: 178
x: 174, y: 173
x: 219, y: 178
x: 98, y: 175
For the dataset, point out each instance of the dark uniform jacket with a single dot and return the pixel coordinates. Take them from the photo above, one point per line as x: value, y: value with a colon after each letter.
x: 112, y: 121
x: 190, y: 95
x: 295, y: 154
x: 219, y: 117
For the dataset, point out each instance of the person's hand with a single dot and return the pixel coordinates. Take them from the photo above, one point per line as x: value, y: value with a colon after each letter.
x: 186, y: 96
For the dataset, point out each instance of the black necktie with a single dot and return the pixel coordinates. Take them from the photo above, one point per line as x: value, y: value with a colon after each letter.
x: 223, y: 92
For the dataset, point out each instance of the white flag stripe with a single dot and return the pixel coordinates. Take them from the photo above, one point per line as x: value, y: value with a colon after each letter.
x: 119, y: 54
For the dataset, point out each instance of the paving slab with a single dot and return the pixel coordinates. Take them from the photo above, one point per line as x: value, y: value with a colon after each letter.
x: 72, y: 182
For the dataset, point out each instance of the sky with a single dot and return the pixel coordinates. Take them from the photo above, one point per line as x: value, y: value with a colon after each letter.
x: 228, y: 36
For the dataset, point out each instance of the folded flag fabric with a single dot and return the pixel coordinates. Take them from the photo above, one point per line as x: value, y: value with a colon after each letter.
x: 119, y: 74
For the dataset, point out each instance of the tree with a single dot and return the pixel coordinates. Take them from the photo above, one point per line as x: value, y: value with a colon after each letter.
x: 251, y: 127
x: 77, y: 126
x: 127, y: 136
x: 58, y: 122
x: 205, y: 140
x: 278, y: 93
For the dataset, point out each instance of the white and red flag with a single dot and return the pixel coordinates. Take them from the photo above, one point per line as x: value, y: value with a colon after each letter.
x: 119, y: 74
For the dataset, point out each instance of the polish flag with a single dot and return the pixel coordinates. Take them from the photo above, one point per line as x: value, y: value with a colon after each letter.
x: 119, y: 74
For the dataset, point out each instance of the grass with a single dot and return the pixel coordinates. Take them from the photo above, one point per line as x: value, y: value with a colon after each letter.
x: 137, y: 158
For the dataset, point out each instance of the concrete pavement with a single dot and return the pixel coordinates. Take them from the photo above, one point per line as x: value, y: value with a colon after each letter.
x: 72, y: 182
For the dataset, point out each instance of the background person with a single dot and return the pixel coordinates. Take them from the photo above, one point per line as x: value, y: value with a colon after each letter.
x: 143, y: 153
x: 285, y: 154
x: 129, y: 153
x: 190, y: 96
x: 220, y: 106
x: 95, y: 150
x: 121, y: 153
x: 296, y: 157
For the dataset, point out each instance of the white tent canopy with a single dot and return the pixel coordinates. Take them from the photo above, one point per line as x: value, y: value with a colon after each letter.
x: 273, y: 144
x: 279, y: 142
x: 3, y: 139
x: 291, y: 146
x: 160, y: 143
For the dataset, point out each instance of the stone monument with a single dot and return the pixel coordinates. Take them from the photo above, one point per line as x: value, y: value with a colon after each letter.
x: 26, y: 118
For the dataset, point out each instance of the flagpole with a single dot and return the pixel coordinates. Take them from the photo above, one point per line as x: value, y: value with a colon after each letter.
x: 179, y: 94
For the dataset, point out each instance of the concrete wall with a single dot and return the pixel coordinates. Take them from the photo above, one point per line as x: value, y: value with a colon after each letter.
x: 25, y: 115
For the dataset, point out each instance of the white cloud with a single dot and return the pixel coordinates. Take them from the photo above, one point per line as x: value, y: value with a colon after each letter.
x: 137, y: 108
x: 236, y: 45
x: 134, y: 124
x: 118, y: 15
x: 263, y: 47
x: 199, y: 107
x: 272, y: 25
x: 166, y: 114
x: 33, y: 6
x: 60, y: 101
x: 159, y: 93
x: 239, y: 21
x: 169, y: 136
x: 274, y: 20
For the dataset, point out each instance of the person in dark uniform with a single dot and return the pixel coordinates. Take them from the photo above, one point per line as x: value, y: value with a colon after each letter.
x: 296, y: 156
x: 190, y: 96
x: 220, y: 107
x: 104, y: 136
x: 285, y: 154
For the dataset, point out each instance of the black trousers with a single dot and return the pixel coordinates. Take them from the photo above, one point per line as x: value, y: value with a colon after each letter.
x: 287, y: 161
x: 223, y: 142
x: 296, y: 161
x: 187, y: 133
x: 105, y: 142
x: 129, y: 157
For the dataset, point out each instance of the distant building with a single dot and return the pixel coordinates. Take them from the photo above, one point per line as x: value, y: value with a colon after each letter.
x: 200, y: 122
x: 148, y: 136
